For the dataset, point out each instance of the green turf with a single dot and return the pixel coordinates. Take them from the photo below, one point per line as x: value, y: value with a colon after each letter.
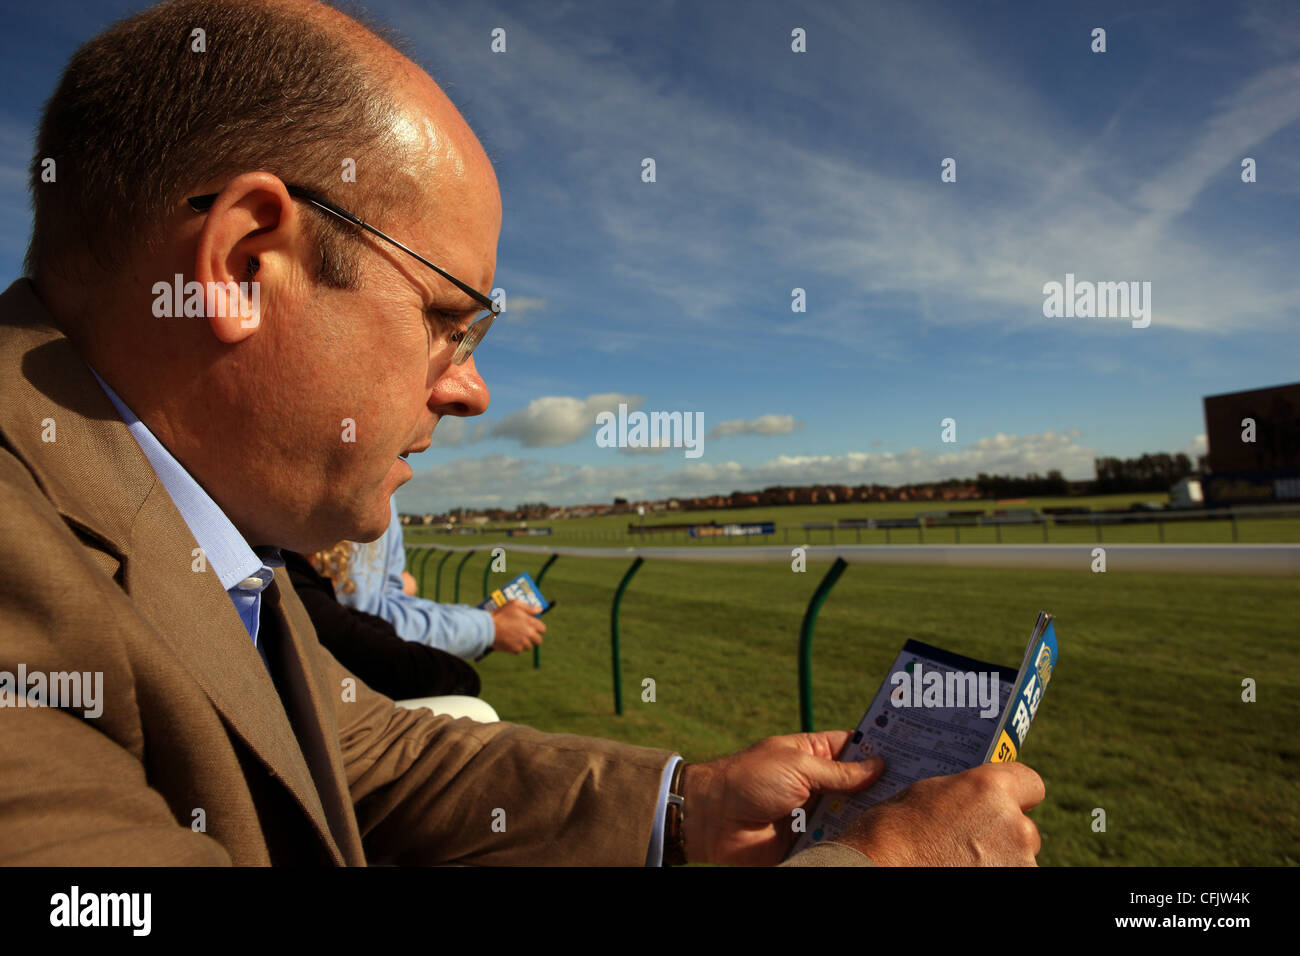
x: 1144, y: 716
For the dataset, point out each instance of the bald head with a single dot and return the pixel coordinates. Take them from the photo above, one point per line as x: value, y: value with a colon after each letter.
x: 427, y: 142
x: 195, y: 91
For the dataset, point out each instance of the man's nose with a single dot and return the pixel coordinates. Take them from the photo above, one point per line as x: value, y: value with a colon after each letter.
x: 460, y: 390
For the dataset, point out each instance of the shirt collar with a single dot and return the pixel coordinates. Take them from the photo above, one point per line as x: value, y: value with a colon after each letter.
x: 224, y: 548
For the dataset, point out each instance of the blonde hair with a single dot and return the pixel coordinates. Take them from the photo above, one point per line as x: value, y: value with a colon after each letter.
x: 335, y: 563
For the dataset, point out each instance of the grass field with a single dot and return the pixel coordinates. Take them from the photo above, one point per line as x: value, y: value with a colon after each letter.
x: 1144, y: 717
x: 612, y: 530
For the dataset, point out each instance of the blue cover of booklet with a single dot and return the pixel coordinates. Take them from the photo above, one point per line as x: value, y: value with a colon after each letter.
x: 522, y: 588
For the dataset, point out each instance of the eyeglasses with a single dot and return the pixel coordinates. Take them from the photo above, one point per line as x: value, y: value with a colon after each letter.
x: 467, y: 340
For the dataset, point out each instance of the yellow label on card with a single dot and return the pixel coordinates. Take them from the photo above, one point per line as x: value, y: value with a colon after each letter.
x: 1006, y: 750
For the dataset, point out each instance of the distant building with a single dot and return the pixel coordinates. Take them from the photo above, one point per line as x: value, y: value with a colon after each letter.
x: 1254, y: 446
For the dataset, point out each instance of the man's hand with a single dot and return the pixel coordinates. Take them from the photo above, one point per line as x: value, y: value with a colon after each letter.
x: 739, y: 809
x: 408, y: 584
x: 517, y: 628
x: 972, y: 818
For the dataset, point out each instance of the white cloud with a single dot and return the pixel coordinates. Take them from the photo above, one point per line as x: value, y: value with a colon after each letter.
x: 558, y: 419
x: 1194, y: 448
x: 519, y: 306
x: 763, y: 425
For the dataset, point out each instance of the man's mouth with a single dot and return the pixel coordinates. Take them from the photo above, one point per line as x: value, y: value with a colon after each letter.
x: 416, y: 449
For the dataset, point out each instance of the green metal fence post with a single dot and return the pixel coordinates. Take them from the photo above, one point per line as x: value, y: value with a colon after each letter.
x: 419, y: 575
x: 459, y: 568
x: 537, y: 651
x: 613, y: 633
x: 437, y: 587
x: 805, y: 642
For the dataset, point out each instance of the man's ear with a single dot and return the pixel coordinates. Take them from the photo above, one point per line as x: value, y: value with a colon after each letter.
x: 253, y: 234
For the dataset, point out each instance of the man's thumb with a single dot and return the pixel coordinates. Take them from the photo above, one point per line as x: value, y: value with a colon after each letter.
x: 846, y: 776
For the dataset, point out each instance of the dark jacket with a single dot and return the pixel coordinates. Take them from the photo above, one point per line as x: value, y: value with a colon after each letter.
x: 369, y: 647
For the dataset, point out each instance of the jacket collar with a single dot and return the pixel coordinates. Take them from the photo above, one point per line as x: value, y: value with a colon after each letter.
x: 57, y: 419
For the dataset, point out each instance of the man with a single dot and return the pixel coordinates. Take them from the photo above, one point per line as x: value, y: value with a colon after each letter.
x: 378, y: 586
x: 151, y: 466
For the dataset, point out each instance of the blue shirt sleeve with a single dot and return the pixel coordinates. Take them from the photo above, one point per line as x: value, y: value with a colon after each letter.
x: 376, y: 571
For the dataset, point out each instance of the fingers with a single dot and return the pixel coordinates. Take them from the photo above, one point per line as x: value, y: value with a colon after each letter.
x: 1022, y: 784
x: 1031, y: 837
x: 846, y: 777
x: 825, y: 743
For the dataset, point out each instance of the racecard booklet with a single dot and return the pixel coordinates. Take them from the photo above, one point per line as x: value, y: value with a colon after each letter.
x: 522, y: 588
x: 939, y: 713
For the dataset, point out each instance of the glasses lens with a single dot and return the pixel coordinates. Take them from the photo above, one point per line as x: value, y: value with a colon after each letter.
x: 473, y: 336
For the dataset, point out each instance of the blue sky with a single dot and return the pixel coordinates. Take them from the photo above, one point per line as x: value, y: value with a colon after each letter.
x: 778, y: 170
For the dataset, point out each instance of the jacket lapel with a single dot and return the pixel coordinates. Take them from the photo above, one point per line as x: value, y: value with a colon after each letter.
x: 195, y: 616
x: 310, y: 702
x: 96, y: 475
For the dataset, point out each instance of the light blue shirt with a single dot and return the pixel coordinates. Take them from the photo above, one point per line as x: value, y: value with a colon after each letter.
x: 245, y: 573
x: 376, y: 570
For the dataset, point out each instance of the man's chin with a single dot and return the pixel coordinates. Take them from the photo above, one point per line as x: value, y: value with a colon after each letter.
x: 351, y: 526
x: 403, y: 471
x: 368, y: 535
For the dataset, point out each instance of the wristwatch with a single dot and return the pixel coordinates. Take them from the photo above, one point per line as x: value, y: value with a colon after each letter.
x: 674, y: 821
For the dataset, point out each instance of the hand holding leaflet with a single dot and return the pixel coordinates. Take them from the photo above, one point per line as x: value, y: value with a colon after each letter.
x: 939, y: 713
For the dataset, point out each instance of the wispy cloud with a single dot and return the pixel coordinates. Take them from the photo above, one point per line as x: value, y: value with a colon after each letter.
x: 518, y: 307
x: 1038, y: 193
x: 762, y: 425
